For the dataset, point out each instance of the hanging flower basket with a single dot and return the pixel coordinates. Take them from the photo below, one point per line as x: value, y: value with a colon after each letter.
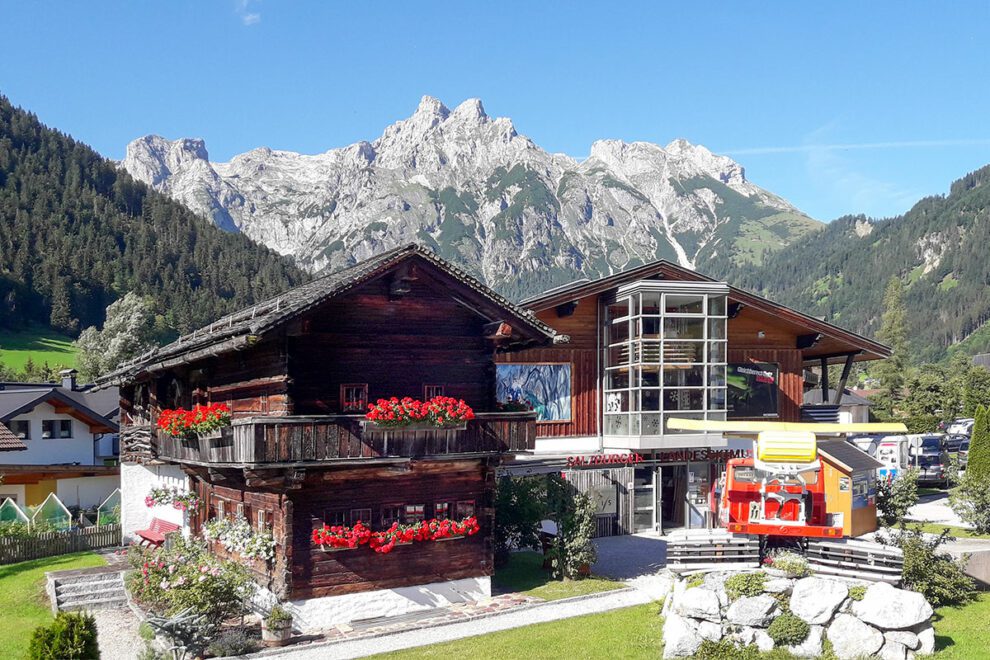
x: 383, y: 542
x: 196, y: 423
x: 408, y: 414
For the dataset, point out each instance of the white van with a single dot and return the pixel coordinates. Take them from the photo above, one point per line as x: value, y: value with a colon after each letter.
x: 893, y: 452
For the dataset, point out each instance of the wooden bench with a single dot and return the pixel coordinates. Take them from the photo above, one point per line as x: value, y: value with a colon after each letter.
x: 155, y: 535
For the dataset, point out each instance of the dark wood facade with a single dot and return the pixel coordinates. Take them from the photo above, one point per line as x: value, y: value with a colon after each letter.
x: 295, y: 457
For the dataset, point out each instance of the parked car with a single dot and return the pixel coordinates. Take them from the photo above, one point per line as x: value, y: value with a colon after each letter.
x: 954, y: 440
x: 925, y: 443
x: 962, y: 426
x: 963, y: 454
x: 933, y: 468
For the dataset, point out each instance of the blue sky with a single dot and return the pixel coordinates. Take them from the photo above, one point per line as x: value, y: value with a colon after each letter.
x: 839, y: 107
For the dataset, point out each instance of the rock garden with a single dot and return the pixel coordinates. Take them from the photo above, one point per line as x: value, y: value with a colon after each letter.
x: 716, y: 614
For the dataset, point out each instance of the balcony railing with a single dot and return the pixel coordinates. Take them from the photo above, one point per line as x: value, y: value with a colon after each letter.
x: 344, y: 438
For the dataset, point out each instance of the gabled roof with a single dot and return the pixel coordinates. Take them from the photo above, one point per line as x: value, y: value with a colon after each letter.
x: 244, y: 327
x: 833, y: 336
x: 9, y: 441
x: 847, y: 455
x: 17, y: 401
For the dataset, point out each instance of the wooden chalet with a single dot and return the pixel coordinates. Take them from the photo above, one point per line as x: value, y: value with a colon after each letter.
x: 298, y: 372
x: 661, y: 341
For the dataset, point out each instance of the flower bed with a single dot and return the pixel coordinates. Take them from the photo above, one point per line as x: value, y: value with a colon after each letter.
x: 440, y: 412
x: 201, y: 419
x: 178, y: 499
x: 340, y: 537
x: 238, y: 536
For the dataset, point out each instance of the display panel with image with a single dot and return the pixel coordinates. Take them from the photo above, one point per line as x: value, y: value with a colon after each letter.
x: 753, y: 390
x: 546, y: 388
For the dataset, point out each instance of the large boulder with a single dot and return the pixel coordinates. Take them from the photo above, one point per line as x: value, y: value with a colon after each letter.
x: 755, y: 611
x: 811, y: 647
x: 816, y: 599
x: 851, y: 638
x: 891, y: 608
x: 699, y: 603
x: 764, y: 642
x: 778, y: 585
x: 905, y: 637
x: 748, y: 636
x: 710, y: 631
x: 680, y: 639
x: 926, y: 638
x: 894, y: 651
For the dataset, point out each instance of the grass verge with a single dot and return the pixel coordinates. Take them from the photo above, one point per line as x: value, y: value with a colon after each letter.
x: 524, y: 574
x: 632, y: 632
x: 25, y: 604
x: 955, y: 532
x: 961, y: 633
x: 40, y: 344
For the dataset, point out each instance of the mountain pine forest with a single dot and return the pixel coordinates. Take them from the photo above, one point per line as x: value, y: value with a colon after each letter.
x: 76, y: 233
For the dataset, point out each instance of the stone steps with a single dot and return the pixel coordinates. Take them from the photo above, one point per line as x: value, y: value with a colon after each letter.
x: 86, y: 591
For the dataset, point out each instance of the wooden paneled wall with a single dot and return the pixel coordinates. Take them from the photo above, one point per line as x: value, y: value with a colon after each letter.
x: 395, y: 346
x: 317, y: 573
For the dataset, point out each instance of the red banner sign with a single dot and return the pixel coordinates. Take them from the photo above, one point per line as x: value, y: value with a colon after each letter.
x: 701, y: 455
x: 598, y: 460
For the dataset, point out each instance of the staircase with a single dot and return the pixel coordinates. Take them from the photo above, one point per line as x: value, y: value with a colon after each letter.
x: 86, y: 589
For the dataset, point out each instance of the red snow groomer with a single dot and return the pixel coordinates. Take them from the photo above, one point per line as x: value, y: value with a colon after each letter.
x: 780, y: 491
x: 776, y: 500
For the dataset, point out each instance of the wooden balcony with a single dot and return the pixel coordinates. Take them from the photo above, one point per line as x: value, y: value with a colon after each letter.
x: 344, y: 438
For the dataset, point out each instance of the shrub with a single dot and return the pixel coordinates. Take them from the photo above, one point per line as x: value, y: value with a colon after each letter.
x: 575, y: 516
x: 278, y: 618
x: 724, y: 649
x: 233, y: 642
x: 788, y: 630
x: 793, y: 564
x: 186, y: 575
x: 745, y: 584
x: 857, y: 593
x: 696, y: 580
x: 971, y: 501
x: 896, y: 496
x: 934, y: 574
x: 978, y: 464
x: 520, y: 506
x: 71, y: 636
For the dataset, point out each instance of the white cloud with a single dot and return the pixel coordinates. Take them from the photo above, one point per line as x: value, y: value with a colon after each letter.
x: 242, y: 9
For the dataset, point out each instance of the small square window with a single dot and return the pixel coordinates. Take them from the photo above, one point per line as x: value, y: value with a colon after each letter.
x: 335, y: 518
x: 432, y: 391
x: 391, y: 513
x: 221, y: 510
x: 414, y: 513
x: 21, y: 428
x: 441, y: 510
x: 354, y: 398
x: 465, y: 508
x: 360, y: 515
x: 56, y: 428
x: 240, y: 510
x: 262, y: 521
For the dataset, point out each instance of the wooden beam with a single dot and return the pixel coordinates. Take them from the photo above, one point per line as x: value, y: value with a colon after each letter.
x: 841, y: 387
x: 807, y: 341
x: 497, y: 330
x: 824, y: 363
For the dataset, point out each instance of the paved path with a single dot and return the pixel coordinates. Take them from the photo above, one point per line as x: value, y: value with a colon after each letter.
x: 630, y: 556
x: 525, y: 616
x: 935, y: 509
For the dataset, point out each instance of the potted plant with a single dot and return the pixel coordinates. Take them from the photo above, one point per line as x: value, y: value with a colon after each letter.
x: 439, y: 413
x: 276, y: 628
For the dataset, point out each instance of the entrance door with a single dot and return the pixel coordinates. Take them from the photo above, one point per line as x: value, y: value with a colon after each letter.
x: 698, y: 487
x: 644, y: 499
x: 673, y: 486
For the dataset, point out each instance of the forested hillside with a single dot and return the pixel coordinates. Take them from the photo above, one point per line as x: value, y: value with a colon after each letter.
x: 940, y: 249
x: 76, y: 233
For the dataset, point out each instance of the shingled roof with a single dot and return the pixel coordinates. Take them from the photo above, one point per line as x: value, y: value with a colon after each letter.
x: 9, y: 441
x: 244, y: 327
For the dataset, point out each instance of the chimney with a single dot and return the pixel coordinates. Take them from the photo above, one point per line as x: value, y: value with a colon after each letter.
x: 68, y: 379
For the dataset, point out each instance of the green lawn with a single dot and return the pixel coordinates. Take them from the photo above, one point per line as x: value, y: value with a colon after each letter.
x: 961, y: 633
x: 524, y: 574
x: 957, y: 532
x: 632, y: 632
x: 40, y: 344
x: 24, y: 603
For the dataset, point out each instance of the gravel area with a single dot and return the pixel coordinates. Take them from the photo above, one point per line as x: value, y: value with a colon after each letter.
x: 117, y: 634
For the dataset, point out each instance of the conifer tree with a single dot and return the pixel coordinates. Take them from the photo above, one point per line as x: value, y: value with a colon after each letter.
x: 978, y: 465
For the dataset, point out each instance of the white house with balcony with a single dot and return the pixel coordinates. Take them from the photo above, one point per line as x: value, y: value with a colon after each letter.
x: 68, y: 442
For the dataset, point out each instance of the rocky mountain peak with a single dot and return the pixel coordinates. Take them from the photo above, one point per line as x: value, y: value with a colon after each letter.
x: 477, y: 192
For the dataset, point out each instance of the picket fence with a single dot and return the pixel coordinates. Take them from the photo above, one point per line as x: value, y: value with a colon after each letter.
x: 49, y: 544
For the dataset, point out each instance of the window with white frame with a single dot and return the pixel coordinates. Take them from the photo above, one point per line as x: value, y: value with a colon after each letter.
x: 56, y: 428
x: 354, y: 398
x: 414, y: 513
x: 441, y: 510
x: 665, y: 353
